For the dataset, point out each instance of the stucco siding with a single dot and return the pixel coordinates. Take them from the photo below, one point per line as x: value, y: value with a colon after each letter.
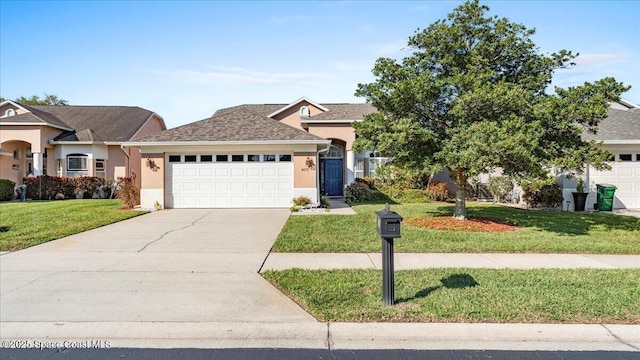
x: 291, y: 116
x: 304, y: 170
x: 342, y: 132
x: 153, y: 125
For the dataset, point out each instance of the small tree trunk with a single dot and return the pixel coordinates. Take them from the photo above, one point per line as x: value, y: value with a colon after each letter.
x: 460, y: 211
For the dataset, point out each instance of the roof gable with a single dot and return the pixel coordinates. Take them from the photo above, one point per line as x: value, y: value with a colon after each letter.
x: 301, y: 100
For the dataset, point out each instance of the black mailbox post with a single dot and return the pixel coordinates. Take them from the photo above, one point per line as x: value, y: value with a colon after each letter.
x: 388, y: 229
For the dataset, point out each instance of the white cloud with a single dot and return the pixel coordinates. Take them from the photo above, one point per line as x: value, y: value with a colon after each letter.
x: 389, y: 48
x: 602, y: 59
x: 238, y: 75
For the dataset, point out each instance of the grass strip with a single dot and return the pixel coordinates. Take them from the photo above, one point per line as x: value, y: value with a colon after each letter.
x: 25, y: 224
x: 540, y: 232
x: 467, y: 295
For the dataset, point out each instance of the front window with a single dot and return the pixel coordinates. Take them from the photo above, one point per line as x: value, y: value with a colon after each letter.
x: 77, y: 162
x: 335, y: 151
x: 100, y: 168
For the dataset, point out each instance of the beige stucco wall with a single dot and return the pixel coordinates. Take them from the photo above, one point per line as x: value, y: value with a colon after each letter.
x: 304, y: 176
x: 7, y: 162
x: 342, y: 132
x: 37, y: 136
x: 291, y: 116
x: 153, y: 176
x: 153, y: 125
x: 117, y: 162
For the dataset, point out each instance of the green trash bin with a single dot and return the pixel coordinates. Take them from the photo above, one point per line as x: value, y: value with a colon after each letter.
x: 605, y: 196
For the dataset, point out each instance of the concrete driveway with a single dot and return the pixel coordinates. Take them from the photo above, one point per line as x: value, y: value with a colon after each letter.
x: 161, y: 279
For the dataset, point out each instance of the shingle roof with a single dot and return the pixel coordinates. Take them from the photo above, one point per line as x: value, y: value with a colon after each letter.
x: 238, y: 123
x: 103, y: 123
x: 345, y: 112
x: 618, y: 125
x: 250, y: 122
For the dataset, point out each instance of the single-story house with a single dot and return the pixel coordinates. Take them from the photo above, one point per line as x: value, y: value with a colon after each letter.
x: 72, y: 141
x: 254, y: 156
x: 620, y: 134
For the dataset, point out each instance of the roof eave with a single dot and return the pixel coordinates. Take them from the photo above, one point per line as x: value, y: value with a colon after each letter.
x: 622, y: 142
x: 44, y: 123
x: 312, y: 121
x: 53, y: 142
x: 209, y: 143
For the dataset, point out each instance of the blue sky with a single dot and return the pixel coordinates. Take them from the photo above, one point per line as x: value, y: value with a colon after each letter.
x: 185, y: 60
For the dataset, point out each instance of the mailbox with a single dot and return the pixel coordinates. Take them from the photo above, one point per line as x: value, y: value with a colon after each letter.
x: 388, y: 223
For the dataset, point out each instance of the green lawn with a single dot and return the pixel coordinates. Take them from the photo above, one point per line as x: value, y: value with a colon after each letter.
x: 467, y: 295
x: 25, y: 224
x: 542, y: 232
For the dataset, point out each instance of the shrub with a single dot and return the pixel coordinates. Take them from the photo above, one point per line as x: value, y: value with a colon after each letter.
x: 93, y: 187
x: 398, y: 177
x: 500, y: 187
x: 324, y: 201
x: 6, y: 189
x: 438, y: 191
x: 542, y: 193
x: 128, y: 192
x: 45, y: 187
x: 357, y: 192
x: 301, y: 201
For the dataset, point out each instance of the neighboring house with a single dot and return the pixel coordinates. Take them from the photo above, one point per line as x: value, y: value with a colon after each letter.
x: 620, y: 134
x: 255, y: 156
x: 72, y: 141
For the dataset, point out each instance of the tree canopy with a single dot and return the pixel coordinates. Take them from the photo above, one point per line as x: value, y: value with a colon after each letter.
x: 472, y: 97
x: 48, y: 99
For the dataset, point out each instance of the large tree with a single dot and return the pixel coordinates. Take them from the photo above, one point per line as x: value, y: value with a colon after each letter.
x: 472, y: 97
x: 48, y: 99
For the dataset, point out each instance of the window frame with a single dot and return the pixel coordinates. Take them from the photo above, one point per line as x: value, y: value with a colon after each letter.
x: 289, y: 156
x: 628, y: 157
x: 84, y: 157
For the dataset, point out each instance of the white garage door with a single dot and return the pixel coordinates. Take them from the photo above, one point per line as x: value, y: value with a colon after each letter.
x: 625, y: 176
x: 229, y: 181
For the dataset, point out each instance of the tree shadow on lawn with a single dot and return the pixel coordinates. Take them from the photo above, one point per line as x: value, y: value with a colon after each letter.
x: 559, y: 222
x: 455, y: 281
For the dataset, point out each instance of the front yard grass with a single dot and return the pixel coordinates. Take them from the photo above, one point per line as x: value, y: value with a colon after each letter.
x: 25, y: 224
x: 541, y: 232
x: 467, y: 295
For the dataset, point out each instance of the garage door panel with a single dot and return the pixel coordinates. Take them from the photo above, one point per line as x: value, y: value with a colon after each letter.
x: 284, y: 172
x: 253, y: 172
x: 625, y: 176
x: 246, y: 184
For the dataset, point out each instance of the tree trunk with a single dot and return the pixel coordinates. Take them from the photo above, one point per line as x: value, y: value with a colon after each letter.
x: 460, y: 211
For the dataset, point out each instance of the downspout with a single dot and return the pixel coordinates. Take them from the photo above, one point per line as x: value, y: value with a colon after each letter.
x: 128, y: 164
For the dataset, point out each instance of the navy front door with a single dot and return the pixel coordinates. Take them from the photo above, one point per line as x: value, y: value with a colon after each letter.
x: 332, y: 176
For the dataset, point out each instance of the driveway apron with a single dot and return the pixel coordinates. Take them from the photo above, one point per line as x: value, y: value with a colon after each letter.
x: 184, y: 266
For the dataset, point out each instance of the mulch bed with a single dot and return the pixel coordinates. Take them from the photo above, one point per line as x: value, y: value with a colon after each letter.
x: 448, y: 223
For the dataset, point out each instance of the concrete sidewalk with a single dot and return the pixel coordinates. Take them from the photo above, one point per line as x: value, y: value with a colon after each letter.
x: 404, y: 261
x: 189, y: 279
